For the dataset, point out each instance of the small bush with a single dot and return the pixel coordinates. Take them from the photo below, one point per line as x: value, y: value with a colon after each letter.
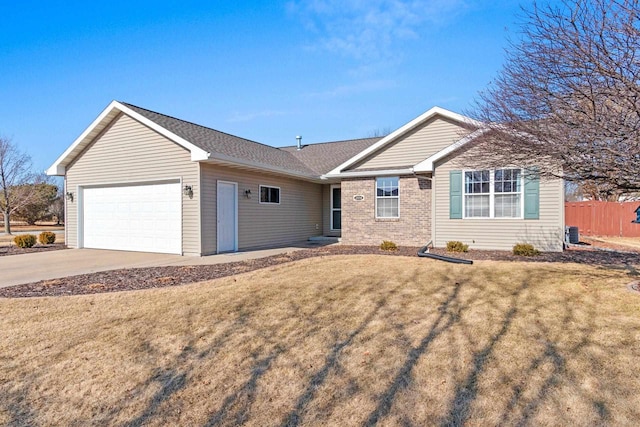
x: 455, y: 246
x: 47, y: 238
x: 25, y: 240
x: 388, y: 246
x: 525, y: 249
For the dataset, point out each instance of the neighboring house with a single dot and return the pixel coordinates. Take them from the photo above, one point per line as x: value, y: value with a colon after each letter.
x: 143, y: 181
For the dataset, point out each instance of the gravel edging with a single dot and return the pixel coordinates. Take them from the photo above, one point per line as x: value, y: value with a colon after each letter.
x: 15, y: 250
x: 160, y: 277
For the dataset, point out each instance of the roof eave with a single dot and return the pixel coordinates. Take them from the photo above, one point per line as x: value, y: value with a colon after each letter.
x: 221, y: 158
x: 56, y: 170
x: 364, y: 174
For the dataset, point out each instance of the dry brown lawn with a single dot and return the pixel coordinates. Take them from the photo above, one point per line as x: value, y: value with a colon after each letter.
x: 632, y: 242
x: 36, y: 228
x: 342, y: 340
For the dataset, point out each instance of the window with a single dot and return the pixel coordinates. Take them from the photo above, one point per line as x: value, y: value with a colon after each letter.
x: 507, y: 193
x: 477, y: 195
x: 493, y: 193
x: 387, y: 197
x: 269, y: 194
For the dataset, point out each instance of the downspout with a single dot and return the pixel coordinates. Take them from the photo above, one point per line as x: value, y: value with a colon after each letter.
x: 424, y: 253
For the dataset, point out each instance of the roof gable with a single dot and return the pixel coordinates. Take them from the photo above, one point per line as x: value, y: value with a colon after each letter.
x: 107, y: 116
x: 427, y: 164
x: 400, y: 133
x: 415, y: 145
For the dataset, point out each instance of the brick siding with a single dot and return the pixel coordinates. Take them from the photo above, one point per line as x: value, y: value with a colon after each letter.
x: 359, y: 223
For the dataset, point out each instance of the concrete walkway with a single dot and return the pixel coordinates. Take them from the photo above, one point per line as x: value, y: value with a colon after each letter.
x: 33, y: 267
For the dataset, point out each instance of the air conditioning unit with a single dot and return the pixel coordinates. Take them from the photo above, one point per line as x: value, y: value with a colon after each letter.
x: 571, y: 235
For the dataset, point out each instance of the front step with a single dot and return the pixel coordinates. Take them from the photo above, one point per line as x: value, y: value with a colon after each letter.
x: 325, y: 239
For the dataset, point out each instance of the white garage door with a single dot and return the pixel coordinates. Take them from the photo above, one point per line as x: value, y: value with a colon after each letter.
x: 145, y: 218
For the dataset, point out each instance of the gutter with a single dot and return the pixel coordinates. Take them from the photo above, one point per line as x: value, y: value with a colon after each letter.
x: 356, y: 174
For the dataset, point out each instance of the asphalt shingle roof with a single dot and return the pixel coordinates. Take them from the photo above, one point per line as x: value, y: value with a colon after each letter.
x: 312, y: 160
x: 326, y: 156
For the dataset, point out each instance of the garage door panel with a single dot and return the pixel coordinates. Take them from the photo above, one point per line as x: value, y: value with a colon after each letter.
x: 146, y: 218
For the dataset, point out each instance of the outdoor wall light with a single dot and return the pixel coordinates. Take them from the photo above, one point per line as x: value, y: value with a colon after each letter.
x: 69, y: 196
x: 188, y: 191
x: 247, y: 193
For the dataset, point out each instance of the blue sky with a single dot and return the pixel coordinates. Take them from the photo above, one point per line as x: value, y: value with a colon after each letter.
x: 263, y: 70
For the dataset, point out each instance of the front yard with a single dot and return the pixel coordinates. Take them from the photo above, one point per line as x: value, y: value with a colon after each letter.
x: 335, y: 340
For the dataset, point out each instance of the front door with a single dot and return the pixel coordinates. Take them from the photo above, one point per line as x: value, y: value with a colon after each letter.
x: 227, y: 201
x: 336, y: 208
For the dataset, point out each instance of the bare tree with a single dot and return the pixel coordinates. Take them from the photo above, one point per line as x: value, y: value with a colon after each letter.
x: 15, y: 175
x: 379, y: 132
x: 576, y: 191
x: 569, y: 94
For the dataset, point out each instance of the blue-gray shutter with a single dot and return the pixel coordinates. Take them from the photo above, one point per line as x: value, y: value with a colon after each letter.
x: 455, y: 194
x: 532, y: 195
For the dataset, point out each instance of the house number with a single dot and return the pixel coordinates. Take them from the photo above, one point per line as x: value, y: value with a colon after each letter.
x: 358, y: 197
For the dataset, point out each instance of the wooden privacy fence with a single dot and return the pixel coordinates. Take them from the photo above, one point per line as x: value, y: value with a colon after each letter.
x: 603, y: 218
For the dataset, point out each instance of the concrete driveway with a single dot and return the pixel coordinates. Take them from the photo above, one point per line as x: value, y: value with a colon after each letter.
x: 27, y: 268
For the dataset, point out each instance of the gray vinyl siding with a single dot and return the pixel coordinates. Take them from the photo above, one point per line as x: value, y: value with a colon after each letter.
x: 296, y: 218
x: 545, y: 233
x: 129, y: 152
x: 416, y: 145
x: 326, y: 212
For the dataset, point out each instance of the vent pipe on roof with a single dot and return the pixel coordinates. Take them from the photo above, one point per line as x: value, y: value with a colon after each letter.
x: 299, y: 139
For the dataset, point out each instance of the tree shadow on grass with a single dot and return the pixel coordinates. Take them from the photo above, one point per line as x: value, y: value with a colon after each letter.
x: 520, y: 410
x: 245, y: 394
x: 248, y: 390
x: 295, y: 416
x: 551, y: 354
x: 523, y: 404
x: 547, y: 371
x: 543, y: 372
x: 444, y: 321
x: 466, y: 391
x: 171, y: 380
x: 18, y: 408
x: 236, y: 406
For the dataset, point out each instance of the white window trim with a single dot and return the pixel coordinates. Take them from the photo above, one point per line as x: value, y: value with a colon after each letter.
x: 269, y: 203
x: 375, y: 183
x: 332, y: 209
x: 492, y: 194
